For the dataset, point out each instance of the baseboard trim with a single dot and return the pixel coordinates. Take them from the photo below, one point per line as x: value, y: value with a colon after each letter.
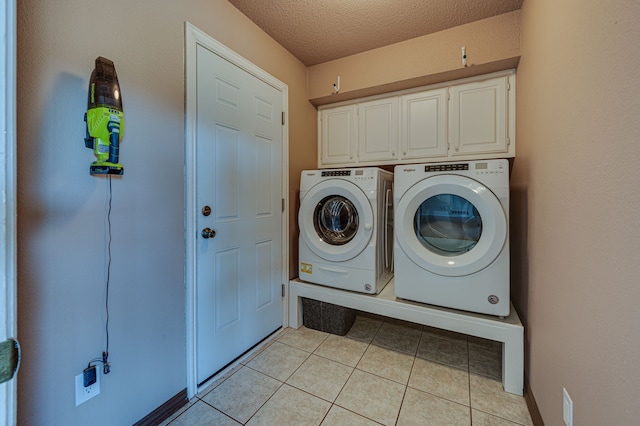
x: 536, y: 417
x: 164, y: 411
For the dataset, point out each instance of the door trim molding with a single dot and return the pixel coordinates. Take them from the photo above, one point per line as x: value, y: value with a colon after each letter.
x: 8, y: 170
x: 193, y: 38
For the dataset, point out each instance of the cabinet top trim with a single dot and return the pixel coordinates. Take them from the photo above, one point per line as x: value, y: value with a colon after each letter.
x: 477, y: 78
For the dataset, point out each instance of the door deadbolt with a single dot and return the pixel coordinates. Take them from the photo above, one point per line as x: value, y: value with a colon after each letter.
x: 208, y: 233
x: 206, y: 211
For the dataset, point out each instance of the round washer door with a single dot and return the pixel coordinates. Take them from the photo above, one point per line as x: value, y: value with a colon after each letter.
x: 336, y: 220
x: 450, y: 225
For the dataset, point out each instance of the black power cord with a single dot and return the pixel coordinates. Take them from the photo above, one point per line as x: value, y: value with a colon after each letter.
x: 105, y: 354
x: 106, y: 367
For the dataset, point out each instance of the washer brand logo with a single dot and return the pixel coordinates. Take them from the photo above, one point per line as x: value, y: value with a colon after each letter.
x: 311, y: 174
x: 408, y: 170
x: 306, y: 268
x: 493, y: 299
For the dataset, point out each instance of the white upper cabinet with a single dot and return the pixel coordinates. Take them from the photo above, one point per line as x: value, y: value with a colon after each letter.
x: 338, y: 135
x: 478, y: 117
x: 467, y: 119
x: 423, y: 127
x: 377, y: 130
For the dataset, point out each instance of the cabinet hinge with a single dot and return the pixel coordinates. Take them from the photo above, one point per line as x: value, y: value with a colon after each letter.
x: 283, y: 118
x: 283, y: 205
x: 508, y: 85
x: 508, y: 141
x: 448, y: 94
x: 282, y: 290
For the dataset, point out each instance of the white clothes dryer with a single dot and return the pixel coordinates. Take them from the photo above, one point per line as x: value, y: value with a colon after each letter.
x: 346, y: 233
x: 452, y: 235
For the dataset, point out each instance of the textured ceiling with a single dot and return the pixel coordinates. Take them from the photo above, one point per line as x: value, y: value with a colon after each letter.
x: 317, y: 31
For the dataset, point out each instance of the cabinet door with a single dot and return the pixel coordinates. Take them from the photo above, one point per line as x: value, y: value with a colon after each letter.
x: 423, y: 131
x: 478, y: 117
x: 338, y: 135
x: 378, y: 130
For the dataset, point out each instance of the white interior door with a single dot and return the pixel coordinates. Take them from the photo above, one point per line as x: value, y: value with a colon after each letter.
x: 238, y: 210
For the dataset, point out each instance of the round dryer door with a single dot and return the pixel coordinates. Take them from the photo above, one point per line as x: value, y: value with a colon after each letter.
x: 450, y: 225
x: 336, y: 220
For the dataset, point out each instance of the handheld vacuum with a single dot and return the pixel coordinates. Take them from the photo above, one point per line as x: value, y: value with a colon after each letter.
x: 105, y: 119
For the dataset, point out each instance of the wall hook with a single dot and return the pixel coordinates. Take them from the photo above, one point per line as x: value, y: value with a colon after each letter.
x: 336, y: 86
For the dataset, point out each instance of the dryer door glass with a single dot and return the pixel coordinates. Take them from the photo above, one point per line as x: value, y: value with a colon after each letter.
x: 448, y: 225
x: 336, y: 220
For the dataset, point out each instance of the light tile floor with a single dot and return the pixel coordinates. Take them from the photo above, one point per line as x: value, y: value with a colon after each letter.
x: 384, y: 371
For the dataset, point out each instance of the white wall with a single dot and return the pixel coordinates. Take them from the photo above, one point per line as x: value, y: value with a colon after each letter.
x: 575, y: 205
x: 61, y: 208
x: 61, y: 216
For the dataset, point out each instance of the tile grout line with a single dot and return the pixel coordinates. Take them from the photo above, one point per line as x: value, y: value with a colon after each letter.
x: 408, y: 379
x: 332, y: 403
x: 264, y: 403
x: 350, y: 375
x: 354, y: 369
x: 284, y: 382
x: 406, y: 387
x: 220, y: 411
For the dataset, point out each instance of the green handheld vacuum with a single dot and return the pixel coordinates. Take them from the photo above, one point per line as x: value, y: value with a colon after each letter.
x: 105, y: 119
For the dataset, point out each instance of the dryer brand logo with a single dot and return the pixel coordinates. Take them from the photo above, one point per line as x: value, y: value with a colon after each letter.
x: 408, y: 170
x: 493, y: 299
x: 306, y: 268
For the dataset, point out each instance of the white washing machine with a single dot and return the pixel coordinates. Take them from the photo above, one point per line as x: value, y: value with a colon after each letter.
x: 452, y: 235
x: 346, y: 233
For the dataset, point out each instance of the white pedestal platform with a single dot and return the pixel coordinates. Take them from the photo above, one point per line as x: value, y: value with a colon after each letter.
x: 509, y: 330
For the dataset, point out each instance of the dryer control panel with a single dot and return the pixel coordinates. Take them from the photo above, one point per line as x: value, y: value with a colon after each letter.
x: 447, y: 167
x: 493, y: 168
x: 479, y: 167
x: 331, y: 173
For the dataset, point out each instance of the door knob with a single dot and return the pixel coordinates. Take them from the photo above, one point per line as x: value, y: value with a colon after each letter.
x: 208, y: 233
x: 9, y: 359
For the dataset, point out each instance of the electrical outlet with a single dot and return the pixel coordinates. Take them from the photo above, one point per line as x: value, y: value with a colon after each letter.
x: 83, y: 394
x: 567, y: 408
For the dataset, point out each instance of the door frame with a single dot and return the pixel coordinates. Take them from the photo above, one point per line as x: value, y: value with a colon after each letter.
x: 8, y: 170
x: 193, y: 38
